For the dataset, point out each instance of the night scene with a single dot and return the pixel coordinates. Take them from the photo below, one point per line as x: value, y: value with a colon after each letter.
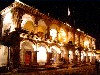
x: 49, y: 37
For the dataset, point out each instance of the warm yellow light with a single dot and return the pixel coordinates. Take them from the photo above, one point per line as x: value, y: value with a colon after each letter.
x: 94, y: 54
x: 26, y: 18
x: 8, y: 17
x: 56, y: 49
x: 82, y: 55
x: 62, y: 35
x: 3, y: 55
x: 77, y: 52
x: 89, y: 54
x: 53, y: 33
x: 70, y: 54
x: 34, y: 47
x: 17, y: 0
x: 86, y: 43
x: 8, y: 22
x: 63, y: 32
x: 78, y: 29
x: 41, y: 55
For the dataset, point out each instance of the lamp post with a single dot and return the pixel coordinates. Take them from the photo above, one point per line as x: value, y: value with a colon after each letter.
x: 8, y: 65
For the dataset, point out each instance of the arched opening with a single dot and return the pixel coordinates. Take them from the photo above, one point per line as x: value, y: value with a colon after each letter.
x: 28, y: 22
x: 27, y: 51
x: 41, y: 55
x: 83, y: 56
x: 56, y: 55
x: 70, y: 56
x: 77, y: 55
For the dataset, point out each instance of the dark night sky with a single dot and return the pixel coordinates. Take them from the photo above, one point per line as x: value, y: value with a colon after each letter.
x: 85, y: 13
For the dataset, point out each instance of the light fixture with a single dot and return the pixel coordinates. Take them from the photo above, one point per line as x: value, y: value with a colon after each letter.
x: 78, y: 29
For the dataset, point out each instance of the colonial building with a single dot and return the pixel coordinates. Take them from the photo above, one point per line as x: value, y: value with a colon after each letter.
x: 31, y: 38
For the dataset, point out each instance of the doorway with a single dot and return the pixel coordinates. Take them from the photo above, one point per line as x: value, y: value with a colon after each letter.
x: 28, y: 55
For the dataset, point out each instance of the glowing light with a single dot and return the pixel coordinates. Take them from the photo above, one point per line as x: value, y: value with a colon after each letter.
x: 34, y: 46
x: 56, y: 49
x: 70, y: 36
x: 78, y: 30
x: 41, y: 55
x: 70, y: 53
x: 70, y: 56
x: 53, y: 33
x: 8, y: 22
x: 94, y: 54
x: 17, y: 0
x: 3, y: 55
x: 89, y: 54
x: 26, y: 44
x: 63, y: 32
x: 26, y: 18
x: 82, y: 55
x: 86, y: 43
x: 62, y: 35
x: 77, y: 52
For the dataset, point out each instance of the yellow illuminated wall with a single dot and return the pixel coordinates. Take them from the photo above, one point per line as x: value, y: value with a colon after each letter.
x: 29, y: 26
x: 70, y: 36
x: 62, y: 36
x: 42, y: 26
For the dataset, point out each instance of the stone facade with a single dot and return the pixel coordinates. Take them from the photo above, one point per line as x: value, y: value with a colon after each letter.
x: 36, y: 39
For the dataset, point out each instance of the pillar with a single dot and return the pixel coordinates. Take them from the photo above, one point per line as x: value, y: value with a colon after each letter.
x: 57, y: 59
x: 22, y: 57
x: 87, y: 57
x: 49, y: 56
x: 74, y: 62
x: 35, y: 58
x: 66, y: 56
x: 79, y: 57
x: 32, y: 56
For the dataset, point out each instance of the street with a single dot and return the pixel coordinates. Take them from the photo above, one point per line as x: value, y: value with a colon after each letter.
x: 84, y: 70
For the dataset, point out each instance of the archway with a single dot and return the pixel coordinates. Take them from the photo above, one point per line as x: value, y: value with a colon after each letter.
x: 27, y: 51
x: 77, y: 55
x: 83, y: 56
x: 41, y: 55
x: 28, y: 22
x: 56, y: 55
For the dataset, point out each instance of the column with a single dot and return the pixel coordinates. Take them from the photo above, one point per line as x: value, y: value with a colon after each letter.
x: 57, y: 60
x: 74, y: 58
x: 35, y: 58
x: 32, y: 56
x: 66, y: 56
x: 74, y: 36
x: 49, y: 56
x: 22, y: 57
x: 79, y: 57
x: 87, y: 57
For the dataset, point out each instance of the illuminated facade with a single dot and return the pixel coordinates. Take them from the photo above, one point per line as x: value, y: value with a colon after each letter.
x: 36, y: 39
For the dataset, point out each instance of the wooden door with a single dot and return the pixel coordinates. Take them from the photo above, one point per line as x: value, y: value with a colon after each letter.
x: 28, y: 55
